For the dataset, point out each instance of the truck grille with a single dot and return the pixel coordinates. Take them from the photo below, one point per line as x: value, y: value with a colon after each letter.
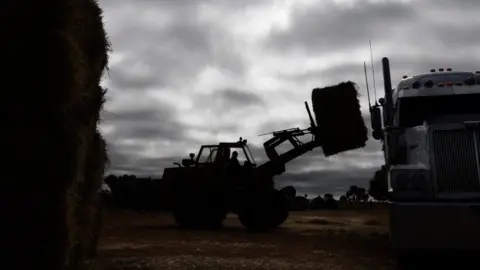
x: 456, y: 160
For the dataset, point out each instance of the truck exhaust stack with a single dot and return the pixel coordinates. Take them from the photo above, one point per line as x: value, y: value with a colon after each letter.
x: 387, y: 80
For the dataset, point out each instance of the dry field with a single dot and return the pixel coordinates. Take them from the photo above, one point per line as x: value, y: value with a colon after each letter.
x: 342, y: 239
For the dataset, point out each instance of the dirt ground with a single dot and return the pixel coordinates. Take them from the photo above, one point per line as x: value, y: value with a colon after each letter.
x: 342, y: 239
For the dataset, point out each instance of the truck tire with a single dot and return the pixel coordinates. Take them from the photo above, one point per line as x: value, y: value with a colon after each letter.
x: 280, y: 209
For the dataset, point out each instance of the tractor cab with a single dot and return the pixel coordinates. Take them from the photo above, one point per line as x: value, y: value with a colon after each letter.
x: 220, y: 155
x: 215, y: 163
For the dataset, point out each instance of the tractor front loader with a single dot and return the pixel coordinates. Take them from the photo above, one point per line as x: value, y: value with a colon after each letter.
x: 203, y: 189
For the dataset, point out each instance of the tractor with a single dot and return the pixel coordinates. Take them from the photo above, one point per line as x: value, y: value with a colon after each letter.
x: 204, y: 188
x: 208, y: 186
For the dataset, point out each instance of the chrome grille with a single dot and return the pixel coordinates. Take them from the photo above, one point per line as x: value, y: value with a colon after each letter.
x: 456, y: 157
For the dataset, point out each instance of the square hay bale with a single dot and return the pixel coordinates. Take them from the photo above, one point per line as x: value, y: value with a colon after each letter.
x: 50, y: 132
x: 339, y: 119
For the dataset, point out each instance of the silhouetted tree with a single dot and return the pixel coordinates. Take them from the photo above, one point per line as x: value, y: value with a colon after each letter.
x: 317, y: 203
x: 330, y: 202
x: 289, y: 192
x: 361, y: 195
x: 378, y: 187
x: 131, y: 192
x: 350, y: 194
x: 356, y: 194
x: 301, y: 203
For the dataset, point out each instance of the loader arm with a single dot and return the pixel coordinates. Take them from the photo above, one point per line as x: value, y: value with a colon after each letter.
x: 276, y: 163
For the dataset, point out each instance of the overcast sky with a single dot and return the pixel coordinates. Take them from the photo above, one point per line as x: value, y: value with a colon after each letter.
x: 190, y: 72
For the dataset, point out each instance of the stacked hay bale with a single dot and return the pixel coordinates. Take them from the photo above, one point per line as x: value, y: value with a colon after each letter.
x: 89, y: 214
x: 339, y: 118
x: 54, y: 55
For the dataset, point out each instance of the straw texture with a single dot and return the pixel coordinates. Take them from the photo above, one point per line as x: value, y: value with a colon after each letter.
x: 54, y: 54
x: 339, y: 119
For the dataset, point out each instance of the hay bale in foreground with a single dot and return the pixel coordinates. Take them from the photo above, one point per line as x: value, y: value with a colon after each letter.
x: 55, y: 54
x: 89, y: 212
x: 339, y: 119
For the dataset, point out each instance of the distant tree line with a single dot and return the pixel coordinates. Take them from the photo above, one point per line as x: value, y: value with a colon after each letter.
x: 131, y: 192
x: 300, y: 203
x: 141, y: 194
x: 377, y: 191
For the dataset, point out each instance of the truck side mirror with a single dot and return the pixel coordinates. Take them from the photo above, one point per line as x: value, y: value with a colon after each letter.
x: 376, y: 119
x: 192, y: 156
x: 377, y: 134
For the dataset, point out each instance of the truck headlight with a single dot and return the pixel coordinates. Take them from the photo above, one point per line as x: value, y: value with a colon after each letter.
x: 409, y: 180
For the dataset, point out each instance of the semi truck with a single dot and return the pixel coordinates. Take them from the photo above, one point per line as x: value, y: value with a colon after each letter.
x: 429, y: 126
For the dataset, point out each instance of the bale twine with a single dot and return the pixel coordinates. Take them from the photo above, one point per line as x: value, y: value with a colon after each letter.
x: 339, y: 119
x: 54, y: 56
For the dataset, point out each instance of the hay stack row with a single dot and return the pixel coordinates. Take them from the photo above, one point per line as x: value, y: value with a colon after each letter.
x: 54, y: 54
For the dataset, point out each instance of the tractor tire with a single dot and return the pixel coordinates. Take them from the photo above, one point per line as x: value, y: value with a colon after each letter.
x: 281, y: 210
x: 200, y: 212
x: 264, y: 212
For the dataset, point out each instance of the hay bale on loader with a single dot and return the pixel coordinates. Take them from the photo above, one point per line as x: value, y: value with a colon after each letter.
x: 339, y: 118
x: 55, y: 54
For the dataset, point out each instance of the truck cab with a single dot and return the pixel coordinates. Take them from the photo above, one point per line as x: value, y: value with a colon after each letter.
x: 437, y: 117
x: 431, y: 141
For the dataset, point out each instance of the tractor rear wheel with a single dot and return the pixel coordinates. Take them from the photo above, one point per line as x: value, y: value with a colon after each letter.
x: 264, y: 211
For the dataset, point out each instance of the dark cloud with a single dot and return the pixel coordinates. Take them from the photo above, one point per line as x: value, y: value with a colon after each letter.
x: 238, y: 97
x: 185, y: 4
x: 167, y: 50
x: 236, y: 5
x: 401, y: 26
x: 330, y: 27
x: 457, y: 4
x: 400, y: 63
x: 223, y: 101
x: 139, y: 165
x: 277, y: 125
x: 123, y: 79
x: 144, y: 124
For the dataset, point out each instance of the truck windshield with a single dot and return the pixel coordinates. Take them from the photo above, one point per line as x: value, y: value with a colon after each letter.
x: 415, y: 110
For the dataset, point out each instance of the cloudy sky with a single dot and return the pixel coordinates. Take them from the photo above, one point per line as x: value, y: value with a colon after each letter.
x: 189, y: 72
